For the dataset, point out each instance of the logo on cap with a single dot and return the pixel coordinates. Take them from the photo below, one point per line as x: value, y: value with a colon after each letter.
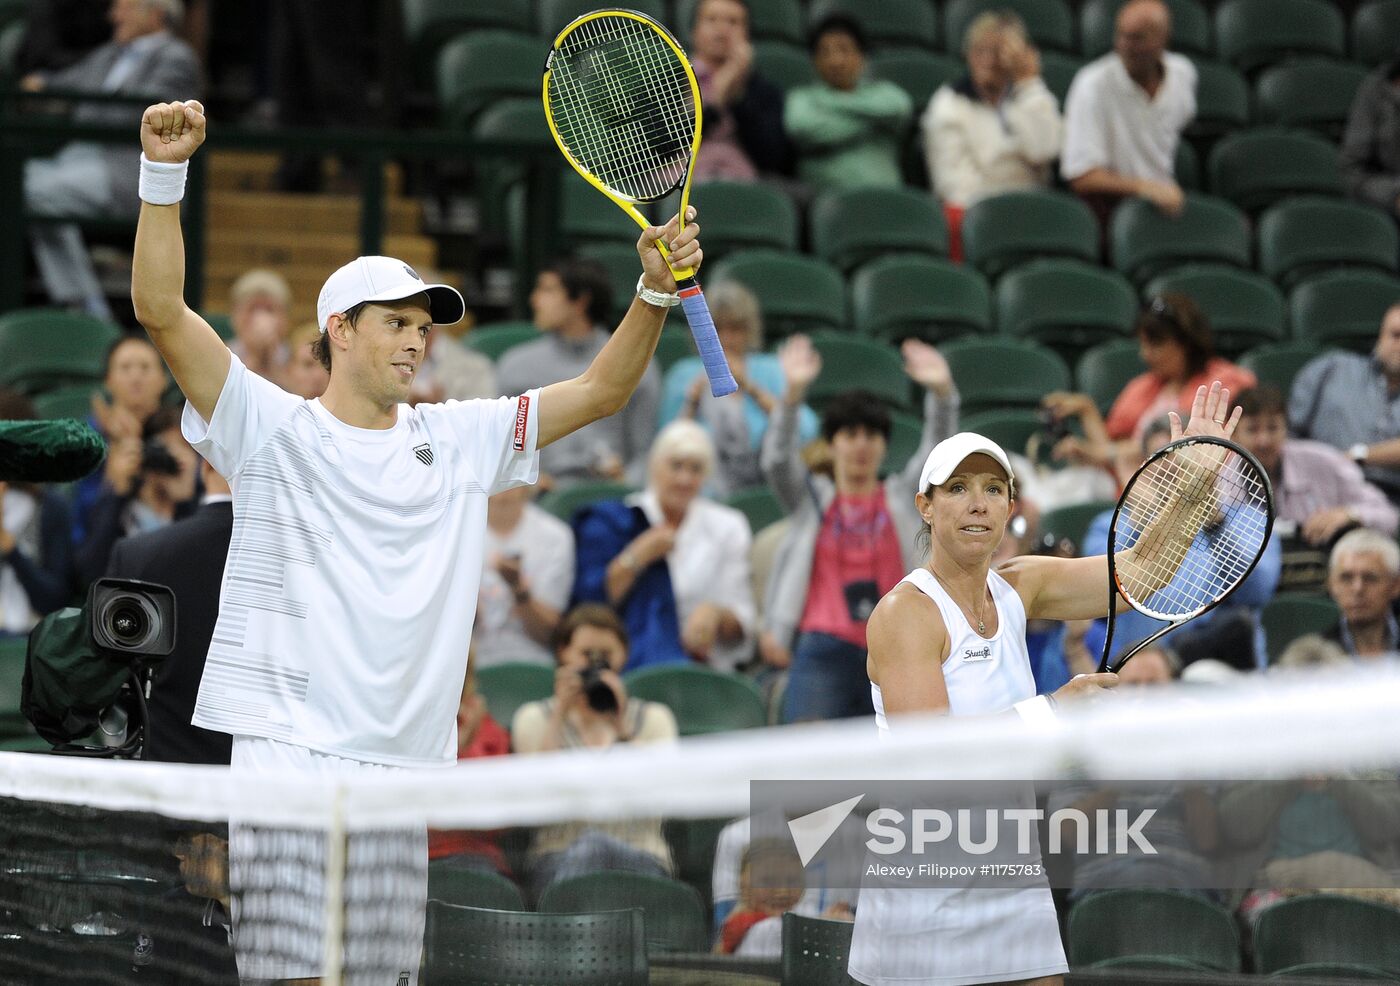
x: 412, y: 273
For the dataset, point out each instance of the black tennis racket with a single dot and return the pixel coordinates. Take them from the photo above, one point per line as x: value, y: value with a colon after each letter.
x: 1189, y: 528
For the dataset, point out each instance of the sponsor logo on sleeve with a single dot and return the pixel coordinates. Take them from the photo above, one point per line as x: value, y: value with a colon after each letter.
x: 522, y: 421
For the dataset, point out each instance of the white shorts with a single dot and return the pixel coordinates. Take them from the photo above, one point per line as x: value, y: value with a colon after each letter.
x: 277, y: 887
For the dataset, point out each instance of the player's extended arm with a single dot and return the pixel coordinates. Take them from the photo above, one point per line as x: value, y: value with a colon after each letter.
x: 170, y: 134
x: 607, y: 385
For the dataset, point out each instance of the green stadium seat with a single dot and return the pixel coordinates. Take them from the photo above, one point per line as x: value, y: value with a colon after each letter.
x: 1314, y: 92
x: 917, y: 72
x: 743, y: 216
x: 1058, y: 70
x: 692, y: 842
x: 1375, y: 25
x: 1290, y: 615
x: 785, y: 65
x: 703, y: 700
x: 1345, y: 971
x: 853, y: 226
x: 1256, y: 168
x: 1222, y: 101
x: 221, y: 323
x: 1072, y: 522
x: 12, y: 656
x: 1049, y: 22
x: 1098, y: 20
x: 1342, y: 308
x: 897, y: 297
x: 465, y: 886
x: 854, y: 362
x: 566, y: 502
x: 477, y: 69
x: 11, y: 38
x: 1301, y: 236
x: 621, y: 263
x: 1244, y: 308
x: 995, y: 373
x: 1330, y: 928
x: 1004, y: 230
x: 1187, y: 167
x: 796, y: 293
x: 906, y: 433
x: 74, y: 401
x: 1143, y: 242
x: 554, y: 15
x: 1103, y: 371
x: 517, y: 119
x: 889, y: 23
x: 494, y: 338
x: 1279, y: 364
x: 1111, y: 924
x: 506, y: 687
x: 676, y: 343
x: 1012, y: 428
x: 473, y: 946
x: 771, y: 20
x: 1253, y: 33
x: 816, y: 951
x: 42, y: 348
x: 1067, y: 305
x: 758, y: 505
x: 586, y: 215
x: 429, y: 24
x: 675, y: 917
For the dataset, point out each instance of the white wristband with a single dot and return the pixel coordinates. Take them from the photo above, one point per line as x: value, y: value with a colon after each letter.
x: 1036, y: 711
x: 161, y: 183
x: 657, y: 298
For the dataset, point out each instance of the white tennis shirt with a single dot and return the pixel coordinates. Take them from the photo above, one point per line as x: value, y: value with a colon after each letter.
x: 351, y: 582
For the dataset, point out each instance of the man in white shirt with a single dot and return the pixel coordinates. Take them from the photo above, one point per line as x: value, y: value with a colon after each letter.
x: 1125, y: 112
x: 359, y: 523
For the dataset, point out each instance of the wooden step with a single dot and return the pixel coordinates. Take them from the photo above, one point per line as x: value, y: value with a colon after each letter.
x: 309, y: 214
x: 277, y: 248
x: 256, y: 171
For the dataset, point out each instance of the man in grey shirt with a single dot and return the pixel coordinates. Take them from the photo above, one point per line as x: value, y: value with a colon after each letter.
x: 1353, y: 402
x: 1371, y: 145
x: 571, y: 301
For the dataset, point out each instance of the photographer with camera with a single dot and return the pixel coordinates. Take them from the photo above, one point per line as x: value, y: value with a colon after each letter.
x: 590, y: 708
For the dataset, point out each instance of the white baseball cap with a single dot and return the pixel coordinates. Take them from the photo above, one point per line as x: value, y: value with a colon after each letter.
x: 385, y: 279
x: 945, y: 457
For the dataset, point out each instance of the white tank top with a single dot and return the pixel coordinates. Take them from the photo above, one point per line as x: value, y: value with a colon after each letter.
x: 983, y: 675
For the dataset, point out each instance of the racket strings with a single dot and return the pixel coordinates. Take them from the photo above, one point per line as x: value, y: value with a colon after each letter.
x: 1196, y: 521
x: 621, y: 101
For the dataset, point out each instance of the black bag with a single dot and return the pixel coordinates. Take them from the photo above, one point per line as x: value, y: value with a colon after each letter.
x: 67, y: 681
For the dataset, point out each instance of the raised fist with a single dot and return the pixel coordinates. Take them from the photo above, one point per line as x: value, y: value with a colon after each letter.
x: 172, y: 132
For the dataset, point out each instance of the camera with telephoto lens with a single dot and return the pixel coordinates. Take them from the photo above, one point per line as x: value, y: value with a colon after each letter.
x: 132, y: 619
x: 1052, y: 428
x: 600, y: 696
x: 157, y: 460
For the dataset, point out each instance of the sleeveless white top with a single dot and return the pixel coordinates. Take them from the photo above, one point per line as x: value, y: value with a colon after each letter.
x: 954, y: 936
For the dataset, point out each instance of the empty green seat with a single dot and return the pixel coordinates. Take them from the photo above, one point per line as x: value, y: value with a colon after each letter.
x: 741, y: 216
x: 554, y: 15
x: 1143, y: 242
x: 1112, y: 924
x: 1375, y: 25
x: 1098, y: 21
x: 898, y: 297
x: 692, y: 842
x: 854, y: 362
x: 73, y: 401
x: 784, y: 64
x: 1279, y: 364
x: 11, y: 38
x: 1004, y: 230
x: 564, y: 503
x: 1011, y: 428
x: 1058, y: 71
x: 853, y: 226
x: 906, y: 432
x: 1252, y: 33
x: 674, y: 915
x: 513, y: 119
x: 585, y: 215
x: 1342, y: 308
x: 997, y: 373
x: 1345, y: 971
x: 887, y: 23
x: 1313, y: 92
x: 1290, y: 615
x: 1072, y: 522
x: 796, y: 293
x: 759, y: 506
x: 702, y: 700
x: 1331, y: 928
x: 676, y: 343
x: 1066, y: 304
x: 1049, y: 22
x: 1299, y: 237
x: 621, y: 263
x: 1104, y: 370
x: 816, y: 951
x: 466, y: 886
x: 1222, y: 100
x: 1244, y: 308
x: 1256, y: 168
x: 1186, y: 167
x: 12, y: 656
x: 494, y: 338
x: 429, y: 24
x: 41, y: 349
x: 506, y: 687
x: 475, y: 70
x: 917, y: 72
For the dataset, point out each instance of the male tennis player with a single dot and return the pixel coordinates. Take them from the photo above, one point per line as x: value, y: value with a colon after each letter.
x: 351, y: 582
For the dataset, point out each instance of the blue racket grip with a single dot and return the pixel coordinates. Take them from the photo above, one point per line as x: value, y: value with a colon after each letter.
x: 702, y: 327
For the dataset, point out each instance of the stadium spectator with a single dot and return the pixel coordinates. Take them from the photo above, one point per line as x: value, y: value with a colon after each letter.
x: 1352, y: 402
x: 1371, y: 143
x: 1363, y: 579
x: 304, y: 375
x: 996, y: 129
x: 772, y: 882
x: 526, y: 582
x: 674, y: 563
x: 736, y: 426
x: 151, y: 484
x: 847, y: 129
x: 91, y: 180
x: 1176, y: 343
x: 452, y: 372
x: 59, y: 32
x: 188, y: 556
x: 743, y: 110
x: 571, y: 301
x: 1317, y: 490
x: 851, y: 538
x: 590, y: 709
x: 1124, y: 115
x: 260, y: 303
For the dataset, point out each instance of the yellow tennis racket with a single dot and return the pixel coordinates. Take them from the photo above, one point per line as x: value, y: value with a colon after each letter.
x: 624, y: 107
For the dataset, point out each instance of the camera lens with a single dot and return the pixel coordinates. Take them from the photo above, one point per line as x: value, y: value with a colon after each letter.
x: 129, y: 620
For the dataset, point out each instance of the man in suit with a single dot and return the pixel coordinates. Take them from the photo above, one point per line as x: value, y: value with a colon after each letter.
x: 188, y: 556
x: 89, y: 180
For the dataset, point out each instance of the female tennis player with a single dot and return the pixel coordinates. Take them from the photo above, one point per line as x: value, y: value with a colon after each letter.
x: 951, y: 639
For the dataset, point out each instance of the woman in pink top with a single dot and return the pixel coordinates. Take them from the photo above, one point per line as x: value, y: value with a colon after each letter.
x: 1175, y: 340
